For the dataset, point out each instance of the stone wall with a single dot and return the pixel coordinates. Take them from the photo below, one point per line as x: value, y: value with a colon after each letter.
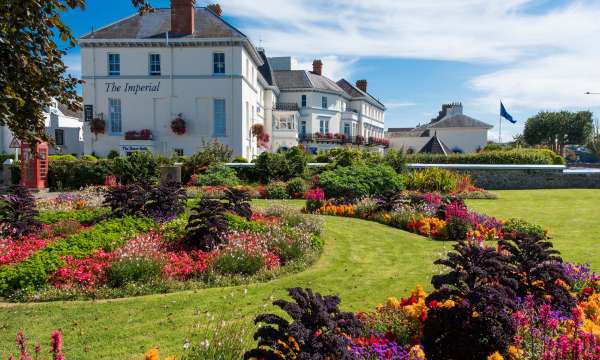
x: 508, y: 177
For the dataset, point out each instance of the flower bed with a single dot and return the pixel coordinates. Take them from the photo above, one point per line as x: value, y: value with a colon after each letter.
x: 125, y: 252
x: 431, y: 215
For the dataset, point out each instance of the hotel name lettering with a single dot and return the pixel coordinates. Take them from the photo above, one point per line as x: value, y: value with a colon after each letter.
x: 113, y: 87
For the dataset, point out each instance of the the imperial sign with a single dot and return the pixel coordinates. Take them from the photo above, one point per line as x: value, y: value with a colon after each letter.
x: 131, y: 88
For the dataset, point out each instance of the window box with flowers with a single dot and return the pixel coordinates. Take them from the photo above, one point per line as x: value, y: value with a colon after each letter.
x: 144, y: 134
x: 178, y: 125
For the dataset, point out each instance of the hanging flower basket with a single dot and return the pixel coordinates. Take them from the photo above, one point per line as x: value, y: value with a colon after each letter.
x: 97, y: 126
x: 178, y: 125
x: 144, y: 134
x: 262, y: 137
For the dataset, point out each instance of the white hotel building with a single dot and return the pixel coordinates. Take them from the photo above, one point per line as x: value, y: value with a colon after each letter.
x: 144, y: 71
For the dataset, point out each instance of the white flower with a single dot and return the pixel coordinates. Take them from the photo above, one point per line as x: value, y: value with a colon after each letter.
x: 186, y: 344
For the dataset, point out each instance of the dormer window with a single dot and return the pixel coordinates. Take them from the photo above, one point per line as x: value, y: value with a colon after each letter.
x: 114, y: 64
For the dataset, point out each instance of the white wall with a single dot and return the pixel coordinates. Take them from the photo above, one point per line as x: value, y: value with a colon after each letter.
x: 186, y: 85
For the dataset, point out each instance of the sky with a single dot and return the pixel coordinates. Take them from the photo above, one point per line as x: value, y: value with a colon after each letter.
x: 533, y: 55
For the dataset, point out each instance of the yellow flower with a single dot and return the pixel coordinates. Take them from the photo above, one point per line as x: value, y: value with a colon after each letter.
x: 495, y: 356
x: 475, y: 314
x: 393, y: 302
x: 448, y: 304
x: 416, y: 353
x: 152, y: 354
x: 514, y: 353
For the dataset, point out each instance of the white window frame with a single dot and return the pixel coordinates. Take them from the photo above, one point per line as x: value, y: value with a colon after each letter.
x: 303, y: 101
x: 62, y: 137
x: 224, y: 132
x: 324, y: 102
x: 154, y: 71
x: 324, y: 126
x: 218, y: 66
x: 117, y: 64
x: 115, y: 116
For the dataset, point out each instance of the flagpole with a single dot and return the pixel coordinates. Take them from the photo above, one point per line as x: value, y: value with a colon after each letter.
x: 500, y: 126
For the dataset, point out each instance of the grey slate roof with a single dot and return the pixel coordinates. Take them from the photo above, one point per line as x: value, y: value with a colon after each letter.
x: 302, y: 79
x: 155, y: 25
x: 355, y: 92
x: 67, y: 112
x: 459, y: 121
x: 435, y: 146
x: 265, y: 69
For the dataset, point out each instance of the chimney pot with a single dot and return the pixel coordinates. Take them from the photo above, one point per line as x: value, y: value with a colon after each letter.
x: 183, y: 16
x: 318, y: 67
x: 362, y: 84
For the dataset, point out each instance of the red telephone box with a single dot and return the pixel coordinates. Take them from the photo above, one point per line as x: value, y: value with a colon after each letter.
x: 34, y: 166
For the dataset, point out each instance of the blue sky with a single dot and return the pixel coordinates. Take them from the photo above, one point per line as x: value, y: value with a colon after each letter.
x: 533, y: 54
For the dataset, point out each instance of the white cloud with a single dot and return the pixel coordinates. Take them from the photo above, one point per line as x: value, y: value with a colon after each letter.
x: 548, y: 58
x: 397, y: 104
x: 333, y: 67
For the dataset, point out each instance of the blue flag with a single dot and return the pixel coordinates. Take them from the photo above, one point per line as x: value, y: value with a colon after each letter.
x: 505, y: 114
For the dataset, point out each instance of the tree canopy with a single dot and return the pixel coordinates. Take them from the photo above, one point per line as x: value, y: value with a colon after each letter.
x: 32, y: 72
x: 558, y: 129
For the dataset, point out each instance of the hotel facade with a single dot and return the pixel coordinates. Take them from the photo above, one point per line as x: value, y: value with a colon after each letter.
x: 185, y: 65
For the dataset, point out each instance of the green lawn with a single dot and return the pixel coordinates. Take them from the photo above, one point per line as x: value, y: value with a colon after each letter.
x: 363, y: 262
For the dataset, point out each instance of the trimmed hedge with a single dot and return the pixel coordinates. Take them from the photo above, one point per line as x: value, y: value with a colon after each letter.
x: 77, y: 174
x: 514, y: 156
x: 35, y: 271
x: 358, y: 181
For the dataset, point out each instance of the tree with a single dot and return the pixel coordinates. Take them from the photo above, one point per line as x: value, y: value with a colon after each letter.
x: 594, y: 144
x: 32, y: 72
x: 558, y: 129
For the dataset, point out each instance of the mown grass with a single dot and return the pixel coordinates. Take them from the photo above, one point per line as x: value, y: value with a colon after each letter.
x: 363, y: 262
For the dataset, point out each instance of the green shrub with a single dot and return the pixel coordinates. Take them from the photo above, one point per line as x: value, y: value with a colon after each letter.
x: 396, y: 159
x: 281, y: 166
x: 133, y: 270
x: 61, y: 158
x: 83, y: 215
x: 239, y: 159
x: 432, y: 180
x: 238, y: 262
x: 89, y: 158
x: 219, y: 175
x: 276, y: 190
x: 238, y: 223
x: 140, y: 166
x: 35, y: 271
x: 288, y: 250
x: 113, y: 154
x: 296, y: 188
x: 514, y: 156
x: 358, y: 181
x: 210, y: 154
x: 4, y: 157
x: 73, y: 175
x: 520, y: 228
x: 174, y: 231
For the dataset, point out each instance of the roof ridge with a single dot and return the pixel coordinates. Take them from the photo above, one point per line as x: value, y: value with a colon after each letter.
x: 305, y: 72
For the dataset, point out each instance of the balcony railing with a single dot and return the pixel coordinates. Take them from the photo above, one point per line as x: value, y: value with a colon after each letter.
x: 342, y: 139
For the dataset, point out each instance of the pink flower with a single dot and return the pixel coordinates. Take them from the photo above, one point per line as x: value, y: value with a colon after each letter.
x: 57, y: 346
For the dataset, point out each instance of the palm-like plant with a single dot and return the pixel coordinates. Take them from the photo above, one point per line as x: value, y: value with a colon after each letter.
x: 207, y: 225
x: 238, y: 201
x: 18, y: 211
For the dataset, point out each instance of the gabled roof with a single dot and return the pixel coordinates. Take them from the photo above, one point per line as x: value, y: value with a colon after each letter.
x: 459, y: 121
x: 355, y: 92
x: 302, y: 79
x: 435, y: 146
x: 156, y: 24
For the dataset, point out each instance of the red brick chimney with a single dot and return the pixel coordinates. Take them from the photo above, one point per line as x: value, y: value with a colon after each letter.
x: 318, y: 67
x: 183, y: 16
x: 362, y: 84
